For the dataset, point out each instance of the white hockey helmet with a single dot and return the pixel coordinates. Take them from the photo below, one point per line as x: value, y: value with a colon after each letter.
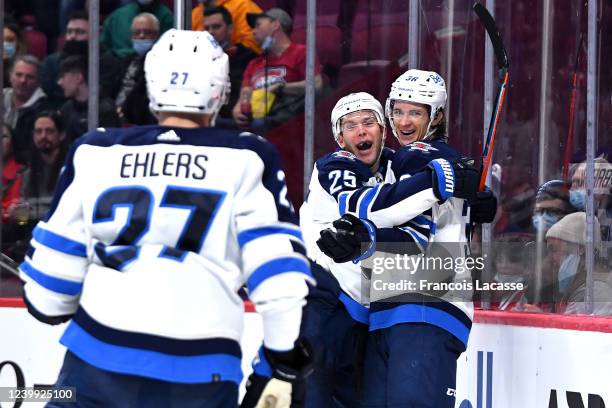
x: 187, y: 71
x: 415, y: 85
x: 353, y: 103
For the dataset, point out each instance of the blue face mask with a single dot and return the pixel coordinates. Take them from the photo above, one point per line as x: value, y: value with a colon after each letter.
x: 10, y: 48
x: 267, y: 43
x: 577, y: 198
x: 142, y: 46
x: 567, y: 271
x: 544, y: 221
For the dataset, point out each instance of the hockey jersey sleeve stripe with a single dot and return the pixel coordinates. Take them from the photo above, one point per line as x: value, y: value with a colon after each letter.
x: 342, y: 202
x: 147, y: 363
x: 410, y: 313
x: 59, y: 243
x: 366, y: 201
x: 249, y: 235
x: 423, y: 221
x: 276, y: 267
x: 54, y: 284
x: 166, y: 345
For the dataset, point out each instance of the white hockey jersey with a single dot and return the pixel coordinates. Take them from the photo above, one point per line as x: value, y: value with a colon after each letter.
x: 151, y: 233
x: 341, y: 183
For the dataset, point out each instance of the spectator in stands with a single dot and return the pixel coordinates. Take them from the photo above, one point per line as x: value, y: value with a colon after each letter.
x: 218, y: 21
x: 241, y: 32
x: 602, y: 200
x: 132, y: 101
x: 67, y: 7
x: 22, y: 102
x: 566, y: 242
x: 551, y: 204
x: 48, y: 155
x: 12, y: 175
x: 512, y: 264
x: 117, y: 27
x: 73, y: 80
x: 14, y: 45
x: 77, y: 43
x: 274, y: 83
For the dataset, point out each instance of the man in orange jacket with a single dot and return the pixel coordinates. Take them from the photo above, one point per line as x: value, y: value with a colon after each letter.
x: 238, y: 9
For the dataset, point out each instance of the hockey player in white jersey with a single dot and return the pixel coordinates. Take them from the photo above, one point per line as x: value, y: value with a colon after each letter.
x: 415, y: 341
x: 336, y: 317
x: 152, y: 231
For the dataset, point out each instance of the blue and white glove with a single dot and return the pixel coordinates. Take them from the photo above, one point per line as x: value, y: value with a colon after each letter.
x: 456, y: 178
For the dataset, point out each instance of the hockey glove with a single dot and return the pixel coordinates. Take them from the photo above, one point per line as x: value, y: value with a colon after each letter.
x: 457, y: 178
x: 483, y: 207
x: 345, y: 244
x: 286, y: 387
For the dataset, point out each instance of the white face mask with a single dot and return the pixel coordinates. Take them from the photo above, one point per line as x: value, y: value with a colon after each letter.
x: 567, y: 271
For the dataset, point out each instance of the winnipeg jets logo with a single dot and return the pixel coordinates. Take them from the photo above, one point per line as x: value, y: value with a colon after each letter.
x: 423, y: 147
x: 345, y: 154
x: 169, y: 136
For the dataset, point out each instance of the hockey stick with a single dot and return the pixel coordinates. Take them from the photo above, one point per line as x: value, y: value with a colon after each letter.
x: 570, y: 131
x: 9, y: 264
x: 502, y: 60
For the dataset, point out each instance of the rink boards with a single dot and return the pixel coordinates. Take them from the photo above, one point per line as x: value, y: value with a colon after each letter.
x: 513, y: 360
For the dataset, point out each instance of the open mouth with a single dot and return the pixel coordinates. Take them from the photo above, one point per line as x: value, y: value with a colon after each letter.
x: 364, y: 146
x: 407, y: 133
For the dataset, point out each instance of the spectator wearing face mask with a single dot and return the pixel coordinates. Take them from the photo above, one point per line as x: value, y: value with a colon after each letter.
x: 117, y: 32
x: 602, y: 199
x: 77, y: 43
x: 132, y: 101
x: 14, y: 45
x: 274, y: 83
x: 566, y: 244
x: 551, y: 204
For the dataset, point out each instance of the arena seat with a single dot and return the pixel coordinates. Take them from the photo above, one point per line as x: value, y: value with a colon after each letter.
x: 36, y: 42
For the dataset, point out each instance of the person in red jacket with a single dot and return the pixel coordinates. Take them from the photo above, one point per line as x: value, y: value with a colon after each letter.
x: 12, y: 176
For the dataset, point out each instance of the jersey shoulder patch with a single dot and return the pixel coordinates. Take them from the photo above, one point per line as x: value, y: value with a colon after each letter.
x: 344, y: 154
x: 422, y: 147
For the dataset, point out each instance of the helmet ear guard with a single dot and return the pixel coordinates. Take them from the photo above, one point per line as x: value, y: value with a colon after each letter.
x: 424, y: 87
x: 188, y: 72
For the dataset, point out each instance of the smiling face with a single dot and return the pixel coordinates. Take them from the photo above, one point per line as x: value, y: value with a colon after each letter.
x: 411, y: 121
x: 363, y: 136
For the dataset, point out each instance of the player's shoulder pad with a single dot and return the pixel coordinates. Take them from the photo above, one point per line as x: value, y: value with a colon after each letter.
x: 342, y: 160
x: 258, y: 144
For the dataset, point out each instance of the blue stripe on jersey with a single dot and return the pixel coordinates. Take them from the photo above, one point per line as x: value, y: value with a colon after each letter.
x: 357, y: 311
x: 416, y: 235
x: 422, y: 220
x: 126, y: 360
x: 276, y: 267
x: 52, y: 283
x: 59, y: 243
x: 249, y: 235
x: 342, y: 202
x: 420, y: 313
x: 367, y: 199
x: 156, y: 343
x: 261, y: 366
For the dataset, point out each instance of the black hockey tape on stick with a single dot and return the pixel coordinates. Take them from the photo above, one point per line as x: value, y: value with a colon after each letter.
x: 502, y: 60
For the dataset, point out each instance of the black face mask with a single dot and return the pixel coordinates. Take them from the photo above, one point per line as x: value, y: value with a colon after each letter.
x: 73, y: 47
